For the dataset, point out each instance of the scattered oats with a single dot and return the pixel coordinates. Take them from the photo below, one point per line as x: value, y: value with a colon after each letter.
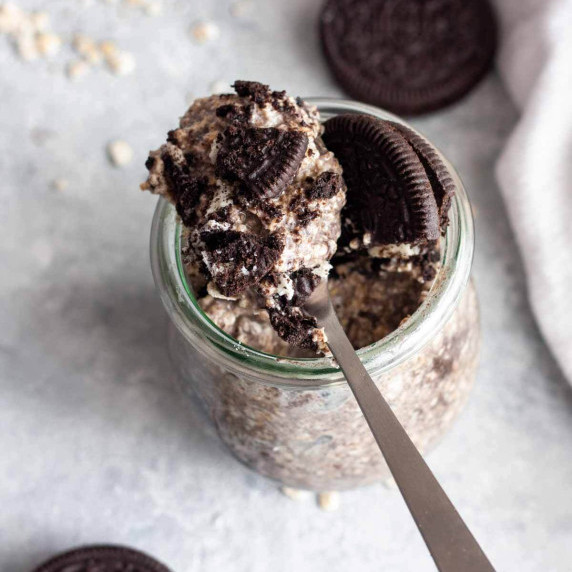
x: 295, y: 494
x: 153, y: 9
x: 87, y: 48
x: 60, y: 184
x: 30, y: 32
x: 220, y: 86
x: 205, y: 32
x: 108, y: 48
x: 48, y: 44
x: 11, y: 18
x: 240, y: 8
x: 121, y: 63
x: 27, y: 48
x: 329, y: 501
x: 120, y: 153
x: 40, y: 21
x: 77, y: 69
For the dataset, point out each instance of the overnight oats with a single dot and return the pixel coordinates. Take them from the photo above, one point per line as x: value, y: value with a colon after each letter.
x: 256, y: 210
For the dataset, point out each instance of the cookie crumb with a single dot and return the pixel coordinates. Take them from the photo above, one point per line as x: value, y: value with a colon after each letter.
x: 204, y: 32
x: 77, y: 69
x: 120, y: 153
x: 295, y: 494
x: 329, y: 501
x: 60, y: 184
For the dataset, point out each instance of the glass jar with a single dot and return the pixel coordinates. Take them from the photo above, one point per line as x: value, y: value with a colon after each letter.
x: 295, y: 420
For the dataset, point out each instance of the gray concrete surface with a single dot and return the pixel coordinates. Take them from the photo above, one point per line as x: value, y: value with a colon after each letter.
x: 95, y: 443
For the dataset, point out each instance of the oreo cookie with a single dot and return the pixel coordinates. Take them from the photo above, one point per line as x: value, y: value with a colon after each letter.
x: 264, y: 160
x: 411, y: 56
x: 439, y: 176
x: 102, y: 559
x: 389, y: 195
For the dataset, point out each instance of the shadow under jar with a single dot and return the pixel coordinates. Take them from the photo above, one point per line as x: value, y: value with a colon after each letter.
x: 294, y: 419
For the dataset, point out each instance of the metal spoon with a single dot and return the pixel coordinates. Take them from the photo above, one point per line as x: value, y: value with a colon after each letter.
x: 450, y: 542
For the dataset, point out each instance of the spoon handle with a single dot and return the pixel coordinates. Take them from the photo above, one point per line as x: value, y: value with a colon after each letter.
x: 450, y: 542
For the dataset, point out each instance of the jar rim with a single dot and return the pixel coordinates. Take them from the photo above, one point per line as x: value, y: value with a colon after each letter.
x: 440, y: 302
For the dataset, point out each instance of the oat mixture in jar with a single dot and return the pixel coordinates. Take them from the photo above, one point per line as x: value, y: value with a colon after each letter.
x: 291, y: 417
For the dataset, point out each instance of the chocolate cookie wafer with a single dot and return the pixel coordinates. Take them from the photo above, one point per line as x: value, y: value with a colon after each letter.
x: 390, y: 199
x: 264, y: 160
x: 102, y: 559
x: 408, y: 56
x: 441, y: 181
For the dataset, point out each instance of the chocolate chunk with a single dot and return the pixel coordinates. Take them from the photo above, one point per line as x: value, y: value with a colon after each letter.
x: 233, y: 112
x: 172, y: 137
x: 227, y: 109
x: 264, y: 160
x: 439, y: 176
x: 258, y: 92
x: 188, y: 200
x: 102, y: 559
x: 409, y: 57
x: 294, y: 326
x: 150, y: 162
x: 388, y: 192
x: 184, y: 188
x: 244, y: 258
x: 325, y: 186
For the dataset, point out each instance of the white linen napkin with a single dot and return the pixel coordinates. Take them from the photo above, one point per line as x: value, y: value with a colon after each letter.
x: 534, y: 170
